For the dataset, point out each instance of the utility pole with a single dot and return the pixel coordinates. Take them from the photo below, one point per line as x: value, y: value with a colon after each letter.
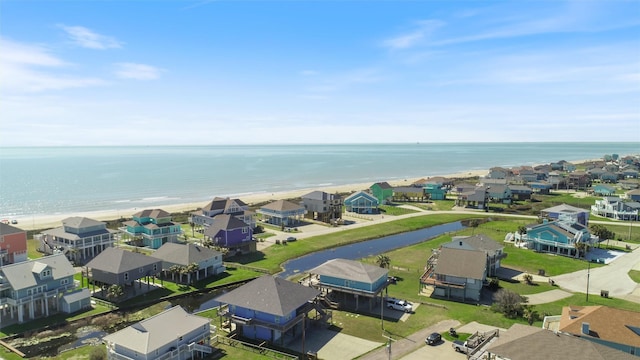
x: 389, y: 340
x: 588, y: 274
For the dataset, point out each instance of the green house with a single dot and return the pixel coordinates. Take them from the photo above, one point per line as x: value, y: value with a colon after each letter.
x: 382, y: 191
x: 436, y: 192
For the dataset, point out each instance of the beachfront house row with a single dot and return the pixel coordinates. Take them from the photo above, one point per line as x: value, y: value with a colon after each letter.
x: 615, y: 208
x: 562, y: 237
x: 209, y: 261
x: 13, y: 244
x: 172, y: 334
x: 581, y: 216
x: 269, y: 308
x: 350, y: 278
x: 361, y: 203
x: 79, y: 238
x: 231, y: 234
x: 322, y: 206
x: 116, y: 266
x: 282, y: 213
x: 204, y: 217
x: 456, y: 274
x: 151, y: 228
x: 382, y: 191
x: 493, y: 250
x: 409, y: 193
x: 37, y: 288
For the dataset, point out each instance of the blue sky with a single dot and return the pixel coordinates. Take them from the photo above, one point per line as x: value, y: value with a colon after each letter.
x: 263, y: 72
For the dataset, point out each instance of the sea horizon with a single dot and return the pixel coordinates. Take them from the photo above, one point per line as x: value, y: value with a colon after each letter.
x: 42, y: 180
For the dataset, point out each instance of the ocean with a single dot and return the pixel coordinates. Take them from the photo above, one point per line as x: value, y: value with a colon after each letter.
x: 38, y: 181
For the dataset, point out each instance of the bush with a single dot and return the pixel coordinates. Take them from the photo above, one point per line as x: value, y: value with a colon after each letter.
x: 98, y: 353
x: 508, y: 303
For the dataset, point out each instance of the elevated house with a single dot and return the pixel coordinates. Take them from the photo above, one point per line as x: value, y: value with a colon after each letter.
x: 231, y: 234
x: 38, y: 288
x: 204, y: 217
x: 79, y: 238
x: 603, y: 190
x: 409, y: 193
x: 282, y: 213
x: 382, y: 191
x: 13, y: 244
x: 520, y: 192
x: 362, y: 203
x: 493, y: 250
x: 209, y: 261
x: 579, y: 180
x: 172, y: 334
x: 116, y: 266
x: 615, y: 208
x: 345, y: 279
x: 478, y: 197
x: 578, y: 215
x: 499, y: 193
x: 153, y: 227
x: 633, y: 195
x: 456, y: 273
x: 616, y: 328
x: 497, y: 172
x: 522, y: 342
x: 562, y: 237
x: 322, y: 206
x: 435, y: 191
x: 270, y: 309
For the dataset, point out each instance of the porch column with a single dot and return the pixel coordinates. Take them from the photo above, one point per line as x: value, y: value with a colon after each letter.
x: 20, y: 313
x: 31, y: 310
x: 46, y: 306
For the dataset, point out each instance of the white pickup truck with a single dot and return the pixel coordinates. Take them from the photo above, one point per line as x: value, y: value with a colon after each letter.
x: 461, y: 347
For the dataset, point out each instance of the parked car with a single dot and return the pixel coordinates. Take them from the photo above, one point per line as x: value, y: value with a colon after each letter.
x: 291, y: 238
x: 433, y: 338
x: 397, y: 304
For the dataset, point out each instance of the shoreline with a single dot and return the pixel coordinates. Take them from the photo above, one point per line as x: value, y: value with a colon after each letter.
x: 38, y: 222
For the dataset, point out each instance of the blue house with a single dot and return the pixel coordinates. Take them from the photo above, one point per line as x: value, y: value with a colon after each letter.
x: 435, y: 191
x: 603, y: 190
x: 231, y: 233
x: 154, y: 227
x: 559, y: 237
x: 351, y: 277
x: 269, y: 308
x: 579, y: 215
x: 362, y: 203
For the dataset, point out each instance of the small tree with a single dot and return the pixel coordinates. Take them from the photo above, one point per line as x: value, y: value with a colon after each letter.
x: 522, y: 229
x: 114, y: 292
x: 174, y: 269
x: 530, y: 314
x: 383, y: 261
x: 528, y: 278
x: 98, y: 353
x: 191, y: 269
x: 508, y: 303
x: 494, y: 284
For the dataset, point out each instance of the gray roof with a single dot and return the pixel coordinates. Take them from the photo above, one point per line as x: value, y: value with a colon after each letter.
x: 351, y: 270
x: 116, y: 261
x: 283, y: 205
x: 271, y: 295
x: 321, y: 195
x: 157, y: 331
x: 564, y: 208
x: 358, y: 194
x: 224, y: 222
x: 383, y: 185
x: 470, y: 264
x: 479, y: 242
x: 522, y: 342
x: 152, y: 213
x: 184, y: 254
x: 6, y: 229
x: 219, y: 203
x: 80, y: 222
x: 61, y: 233
x: 26, y: 274
x: 78, y: 295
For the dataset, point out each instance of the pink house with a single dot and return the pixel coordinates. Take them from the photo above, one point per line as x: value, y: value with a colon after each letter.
x: 13, y: 244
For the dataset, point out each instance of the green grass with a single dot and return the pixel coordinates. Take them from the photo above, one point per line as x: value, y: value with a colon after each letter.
x: 395, y: 210
x: 621, y: 231
x: 634, y: 275
x: 32, y: 249
x: 523, y: 288
x: 530, y: 262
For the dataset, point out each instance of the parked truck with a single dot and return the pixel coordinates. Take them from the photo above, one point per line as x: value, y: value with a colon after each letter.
x: 461, y: 347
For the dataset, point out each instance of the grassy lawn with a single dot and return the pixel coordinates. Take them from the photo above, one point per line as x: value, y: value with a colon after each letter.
x: 395, y: 210
x: 530, y: 262
x: 32, y: 252
x: 622, y: 231
x: 634, y: 275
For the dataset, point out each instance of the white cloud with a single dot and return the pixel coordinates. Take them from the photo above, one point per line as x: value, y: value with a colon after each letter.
x: 86, y: 38
x: 137, y: 71
x: 408, y: 40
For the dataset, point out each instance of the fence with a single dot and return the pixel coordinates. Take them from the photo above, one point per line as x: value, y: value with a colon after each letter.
x: 257, y: 349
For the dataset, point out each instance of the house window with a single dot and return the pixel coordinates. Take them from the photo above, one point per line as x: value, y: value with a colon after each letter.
x: 245, y: 230
x: 155, y: 267
x: 29, y: 292
x: 141, y: 270
x: 64, y: 281
x: 276, y: 319
x: 126, y: 276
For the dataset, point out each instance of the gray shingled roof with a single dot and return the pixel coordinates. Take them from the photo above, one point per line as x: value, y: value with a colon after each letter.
x: 470, y: 264
x: 351, y: 270
x: 383, y: 185
x: 224, y: 222
x: 152, y: 213
x: 481, y: 242
x: 320, y: 195
x: 116, y: 261
x: 271, y: 295
x: 184, y: 254
x: 219, y: 203
x: 282, y: 205
x: 6, y: 229
x: 26, y: 274
x: 80, y: 222
x: 564, y: 208
x: 150, y: 334
x: 522, y: 342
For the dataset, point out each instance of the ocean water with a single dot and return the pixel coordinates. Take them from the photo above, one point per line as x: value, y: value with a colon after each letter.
x: 66, y: 180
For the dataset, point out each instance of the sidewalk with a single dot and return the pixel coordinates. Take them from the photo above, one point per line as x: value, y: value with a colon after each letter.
x: 404, y: 346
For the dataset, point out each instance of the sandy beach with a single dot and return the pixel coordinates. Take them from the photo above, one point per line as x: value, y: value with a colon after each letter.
x: 54, y: 220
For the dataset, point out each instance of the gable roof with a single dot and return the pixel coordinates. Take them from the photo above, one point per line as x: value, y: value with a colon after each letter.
x: 383, y: 185
x: 150, y: 334
x: 26, y: 274
x: 605, y: 323
x: 271, y: 295
x: 480, y: 242
x: 152, y: 213
x: 564, y: 208
x: 184, y: 254
x: 80, y: 222
x: 470, y: 264
x: 351, y: 270
x: 359, y: 194
x: 282, y: 205
x: 6, y: 229
x: 224, y: 222
x: 544, y: 345
x: 116, y: 260
x: 219, y: 203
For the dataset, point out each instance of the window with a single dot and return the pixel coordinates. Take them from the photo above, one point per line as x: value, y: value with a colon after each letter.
x: 141, y: 270
x: 245, y: 230
x: 64, y: 281
x: 126, y: 276
x: 155, y: 267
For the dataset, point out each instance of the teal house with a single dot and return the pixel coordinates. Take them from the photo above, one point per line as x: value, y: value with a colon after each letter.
x: 153, y: 227
x: 361, y: 203
x: 558, y: 237
x: 382, y: 191
x: 604, y: 190
x: 435, y: 191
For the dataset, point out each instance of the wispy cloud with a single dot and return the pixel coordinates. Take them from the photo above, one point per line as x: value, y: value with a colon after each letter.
x: 87, y: 38
x: 137, y: 71
x: 32, y: 68
x: 418, y: 35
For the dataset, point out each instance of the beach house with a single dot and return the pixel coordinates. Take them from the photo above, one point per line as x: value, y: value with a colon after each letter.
x: 151, y: 228
x: 282, y: 213
x: 562, y: 237
x: 455, y: 273
x: 13, y: 244
x: 269, y: 308
x: 322, y: 206
x: 37, y: 288
x: 235, y: 207
x: 382, y: 191
x: 230, y: 233
x: 616, y: 208
x: 578, y: 215
x: 178, y: 256
x: 172, y: 334
x: 493, y: 250
x: 362, y: 203
x: 79, y: 238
